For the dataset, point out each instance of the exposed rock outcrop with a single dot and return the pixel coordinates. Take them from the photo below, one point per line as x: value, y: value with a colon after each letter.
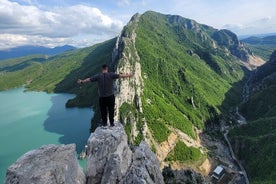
x: 109, y: 156
x: 144, y: 167
x: 47, y: 165
x: 126, y: 60
x: 110, y: 160
x: 182, y: 176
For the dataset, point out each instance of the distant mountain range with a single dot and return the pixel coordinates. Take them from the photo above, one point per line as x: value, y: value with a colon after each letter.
x: 30, y: 50
x: 260, y: 40
x: 262, y: 46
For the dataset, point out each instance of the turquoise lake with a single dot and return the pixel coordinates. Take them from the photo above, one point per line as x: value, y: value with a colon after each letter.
x: 29, y: 120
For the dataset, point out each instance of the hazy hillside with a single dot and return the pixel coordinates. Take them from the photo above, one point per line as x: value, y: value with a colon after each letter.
x: 31, y: 50
x: 255, y: 142
x: 271, y: 40
x: 262, y: 46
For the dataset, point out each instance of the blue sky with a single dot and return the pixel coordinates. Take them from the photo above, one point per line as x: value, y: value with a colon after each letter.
x: 83, y: 23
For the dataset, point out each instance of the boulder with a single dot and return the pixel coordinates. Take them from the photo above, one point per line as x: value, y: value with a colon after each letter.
x: 110, y: 160
x: 182, y: 176
x: 144, y: 167
x: 49, y: 164
x: 109, y: 155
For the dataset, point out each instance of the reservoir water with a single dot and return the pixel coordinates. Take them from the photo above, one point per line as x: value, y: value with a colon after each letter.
x: 29, y: 120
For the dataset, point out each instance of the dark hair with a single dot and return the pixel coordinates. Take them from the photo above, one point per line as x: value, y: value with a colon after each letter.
x: 104, y: 66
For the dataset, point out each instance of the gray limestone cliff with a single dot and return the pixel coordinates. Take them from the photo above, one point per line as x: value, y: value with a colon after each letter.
x: 110, y: 159
x: 126, y: 60
x: 47, y: 165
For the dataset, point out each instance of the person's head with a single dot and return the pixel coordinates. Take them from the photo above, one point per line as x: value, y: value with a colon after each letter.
x: 104, y: 68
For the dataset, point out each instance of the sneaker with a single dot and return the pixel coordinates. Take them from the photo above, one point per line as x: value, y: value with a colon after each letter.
x: 112, y: 124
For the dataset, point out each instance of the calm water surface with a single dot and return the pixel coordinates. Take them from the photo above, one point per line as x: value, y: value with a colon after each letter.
x: 29, y: 120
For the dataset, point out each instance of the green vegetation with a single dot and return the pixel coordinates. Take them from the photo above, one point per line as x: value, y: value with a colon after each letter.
x: 185, y: 78
x: 184, y: 154
x: 256, y: 143
x: 60, y: 73
x: 17, y: 72
x: 260, y: 104
x: 54, y: 74
x: 262, y: 50
x: 262, y: 47
x: 130, y: 113
x: 188, y: 78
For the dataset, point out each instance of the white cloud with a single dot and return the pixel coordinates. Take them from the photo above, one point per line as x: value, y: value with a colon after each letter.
x: 79, y: 23
x: 37, y: 26
x: 13, y: 40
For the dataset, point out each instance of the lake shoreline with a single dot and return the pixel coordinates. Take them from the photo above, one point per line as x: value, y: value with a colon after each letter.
x: 38, y: 118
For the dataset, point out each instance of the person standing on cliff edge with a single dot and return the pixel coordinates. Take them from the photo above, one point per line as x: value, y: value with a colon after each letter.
x: 105, y: 81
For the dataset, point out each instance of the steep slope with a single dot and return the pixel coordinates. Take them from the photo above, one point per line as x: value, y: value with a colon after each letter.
x: 254, y: 142
x: 183, y: 73
x: 40, y: 72
x: 261, y: 101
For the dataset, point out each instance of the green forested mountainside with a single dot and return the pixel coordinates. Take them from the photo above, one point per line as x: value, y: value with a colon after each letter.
x: 262, y: 86
x: 261, y: 46
x: 59, y: 73
x: 187, y: 80
x: 55, y: 74
x: 17, y: 72
x: 260, y: 104
x: 255, y: 142
x: 271, y: 40
x: 255, y: 145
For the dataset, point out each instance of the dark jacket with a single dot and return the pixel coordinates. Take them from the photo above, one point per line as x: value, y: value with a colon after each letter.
x: 105, y: 83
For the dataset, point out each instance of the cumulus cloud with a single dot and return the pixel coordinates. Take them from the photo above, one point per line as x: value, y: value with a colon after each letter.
x: 13, y: 40
x: 59, y: 23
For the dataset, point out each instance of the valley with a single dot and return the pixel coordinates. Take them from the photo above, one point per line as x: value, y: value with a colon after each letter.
x: 192, y: 85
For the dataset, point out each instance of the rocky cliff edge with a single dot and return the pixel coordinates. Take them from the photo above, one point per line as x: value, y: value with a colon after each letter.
x: 109, y: 160
x: 49, y: 164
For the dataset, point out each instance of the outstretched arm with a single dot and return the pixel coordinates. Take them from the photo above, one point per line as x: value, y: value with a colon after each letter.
x: 79, y: 81
x: 121, y: 75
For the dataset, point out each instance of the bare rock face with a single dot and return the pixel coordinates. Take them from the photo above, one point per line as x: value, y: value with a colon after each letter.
x: 49, y: 164
x: 144, y: 167
x: 182, y: 176
x: 110, y: 159
x: 109, y: 156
